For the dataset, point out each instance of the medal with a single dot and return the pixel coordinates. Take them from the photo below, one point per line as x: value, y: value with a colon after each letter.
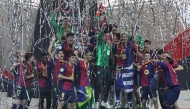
x: 44, y: 68
x: 123, y: 56
x: 146, y: 72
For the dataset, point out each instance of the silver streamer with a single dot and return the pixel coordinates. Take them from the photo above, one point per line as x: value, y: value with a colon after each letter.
x: 157, y: 20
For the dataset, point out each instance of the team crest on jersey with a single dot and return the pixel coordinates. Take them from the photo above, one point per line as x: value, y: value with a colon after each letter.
x: 108, y: 52
x: 61, y: 69
x: 146, y: 72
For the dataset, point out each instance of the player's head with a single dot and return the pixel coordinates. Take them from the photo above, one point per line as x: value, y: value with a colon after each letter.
x: 63, y: 38
x: 168, y: 59
x: 69, y: 38
x: 147, y: 44
x: 146, y: 56
x: 72, y: 58
x: 65, y: 22
x: 123, y: 37
x: 114, y: 30
x: 160, y: 54
x: 88, y: 55
x: 107, y: 30
x: 28, y: 57
x: 43, y: 57
x: 87, y: 21
x: 59, y: 54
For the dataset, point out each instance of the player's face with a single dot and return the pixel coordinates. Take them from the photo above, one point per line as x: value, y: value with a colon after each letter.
x: 44, y: 59
x: 72, y: 59
x: 70, y: 40
x: 123, y: 38
x: 147, y: 57
x: 146, y: 45
x: 66, y: 22
x: 114, y: 31
x: 87, y: 22
x: 60, y: 55
x: 105, y: 37
x: 89, y: 56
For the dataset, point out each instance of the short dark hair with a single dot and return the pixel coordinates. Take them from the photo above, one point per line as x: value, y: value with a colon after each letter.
x: 28, y: 56
x: 43, y: 54
x: 147, y: 41
x: 71, y: 54
x: 65, y: 18
x: 69, y: 34
x: 58, y: 50
x: 63, y: 38
x: 159, y: 51
x: 167, y: 52
x: 108, y: 28
x: 87, y: 51
x: 170, y: 60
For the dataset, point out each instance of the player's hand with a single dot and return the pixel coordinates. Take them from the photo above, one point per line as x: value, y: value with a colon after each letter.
x: 56, y: 9
x: 139, y: 67
x: 76, y: 52
x: 166, y: 88
x: 15, y: 64
x: 32, y: 75
x: 71, y: 78
x: 53, y: 38
x: 155, y: 60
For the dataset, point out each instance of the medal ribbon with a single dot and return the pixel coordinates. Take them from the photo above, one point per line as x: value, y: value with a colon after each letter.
x: 23, y: 65
x: 61, y: 61
x: 122, y: 48
x: 43, y: 66
x: 72, y: 68
x: 65, y: 31
x: 144, y: 63
x: 30, y: 67
x: 69, y: 48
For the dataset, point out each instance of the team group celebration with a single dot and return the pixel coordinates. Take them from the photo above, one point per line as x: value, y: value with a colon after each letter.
x: 110, y: 70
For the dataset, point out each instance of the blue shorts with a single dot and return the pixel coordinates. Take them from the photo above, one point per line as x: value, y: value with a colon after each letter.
x: 172, y: 95
x: 67, y: 95
x: 148, y: 91
x: 118, y: 81
x: 21, y: 93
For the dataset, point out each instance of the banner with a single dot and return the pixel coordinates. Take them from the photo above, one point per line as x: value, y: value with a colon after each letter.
x: 179, y: 47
